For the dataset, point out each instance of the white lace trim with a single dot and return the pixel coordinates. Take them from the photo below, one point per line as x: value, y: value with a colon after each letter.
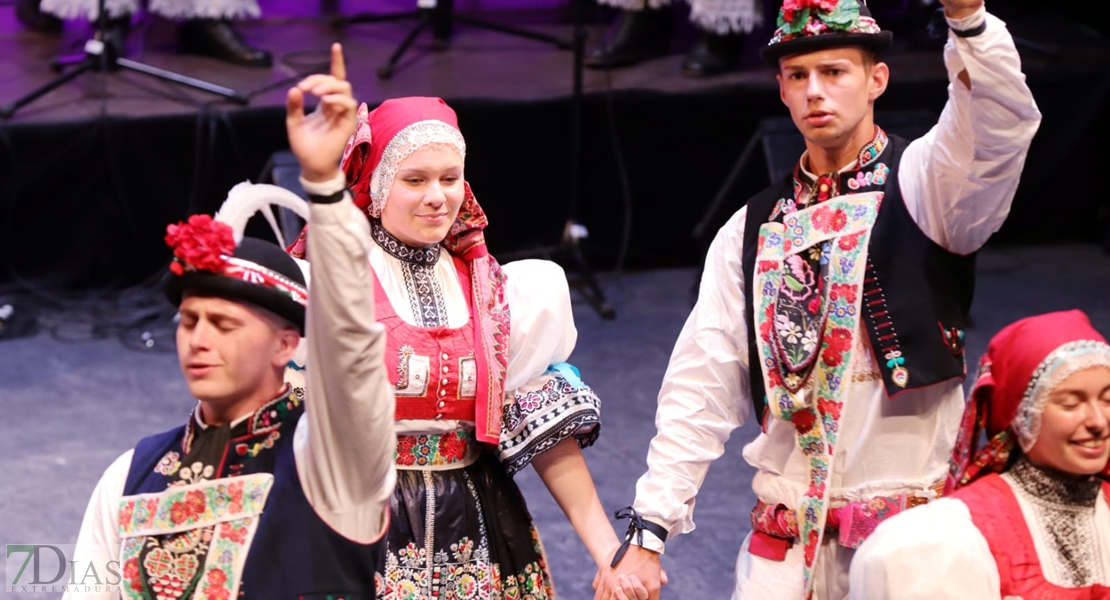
x: 409, y: 140
x: 172, y: 9
x: 1060, y: 364
x: 87, y: 9
x: 726, y: 16
x: 206, y: 9
x: 718, y: 16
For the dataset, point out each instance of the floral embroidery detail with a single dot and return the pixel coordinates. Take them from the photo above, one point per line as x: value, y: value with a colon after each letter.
x: 274, y: 413
x: 784, y: 206
x: 190, y: 539
x: 194, y: 504
x: 196, y: 473
x: 132, y: 575
x: 953, y: 338
x: 169, y: 464
x: 817, y: 423
x: 463, y: 571
x: 871, y: 152
x: 252, y: 450
x: 436, y: 450
x: 877, y: 176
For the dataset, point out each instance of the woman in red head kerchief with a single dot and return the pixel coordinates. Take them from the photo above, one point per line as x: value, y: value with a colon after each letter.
x: 476, y: 353
x: 1029, y: 517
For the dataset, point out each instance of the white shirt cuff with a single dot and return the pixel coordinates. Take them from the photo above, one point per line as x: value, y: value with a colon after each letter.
x: 324, y: 188
x: 969, y: 22
x: 651, y: 541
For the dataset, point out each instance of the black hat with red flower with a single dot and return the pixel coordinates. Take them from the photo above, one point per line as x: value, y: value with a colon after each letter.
x: 207, y: 262
x: 811, y: 25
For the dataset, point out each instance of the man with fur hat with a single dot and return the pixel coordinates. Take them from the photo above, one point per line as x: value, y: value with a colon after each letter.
x: 1030, y: 516
x: 266, y: 491
x: 833, y: 305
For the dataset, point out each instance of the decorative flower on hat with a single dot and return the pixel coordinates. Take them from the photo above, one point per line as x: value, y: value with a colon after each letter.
x: 201, y: 243
x: 804, y: 18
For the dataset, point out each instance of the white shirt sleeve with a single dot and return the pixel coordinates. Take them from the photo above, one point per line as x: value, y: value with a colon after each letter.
x: 541, y: 328
x: 98, y: 543
x: 959, y: 179
x: 931, y: 552
x: 345, y: 441
x: 706, y: 393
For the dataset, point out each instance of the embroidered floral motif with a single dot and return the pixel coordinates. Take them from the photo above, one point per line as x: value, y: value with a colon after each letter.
x: 436, y: 449
x: 185, y: 538
x: 188, y: 506
x: 540, y: 419
x: 274, y: 413
x: 169, y: 464
x: 873, y: 150
x: 252, y: 450
x: 817, y: 423
x: 877, y: 176
x: 462, y: 571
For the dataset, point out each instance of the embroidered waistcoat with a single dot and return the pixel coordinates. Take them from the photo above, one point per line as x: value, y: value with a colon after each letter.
x: 996, y: 513
x: 432, y: 369
x: 916, y: 294
x: 263, y: 538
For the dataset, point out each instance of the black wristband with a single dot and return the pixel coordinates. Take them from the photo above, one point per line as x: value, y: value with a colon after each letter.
x: 938, y: 26
x: 329, y: 199
x: 636, y: 527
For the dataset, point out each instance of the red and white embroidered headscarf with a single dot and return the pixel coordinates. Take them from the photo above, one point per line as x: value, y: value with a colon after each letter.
x: 1024, y: 362
x: 383, y: 139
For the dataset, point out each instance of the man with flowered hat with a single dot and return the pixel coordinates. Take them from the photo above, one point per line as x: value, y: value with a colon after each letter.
x: 268, y: 490
x: 833, y: 305
x: 1030, y: 514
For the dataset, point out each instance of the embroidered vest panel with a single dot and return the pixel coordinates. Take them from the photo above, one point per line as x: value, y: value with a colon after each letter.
x: 293, y: 553
x: 432, y: 369
x: 996, y: 513
x: 916, y: 294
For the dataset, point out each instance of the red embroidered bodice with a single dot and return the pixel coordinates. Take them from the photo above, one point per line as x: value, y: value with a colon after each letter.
x: 432, y: 369
x: 996, y: 512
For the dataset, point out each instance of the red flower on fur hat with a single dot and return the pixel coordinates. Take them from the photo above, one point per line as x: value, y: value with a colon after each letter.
x: 200, y: 244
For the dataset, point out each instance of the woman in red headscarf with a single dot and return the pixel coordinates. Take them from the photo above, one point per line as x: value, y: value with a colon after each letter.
x: 476, y: 353
x: 1029, y: 518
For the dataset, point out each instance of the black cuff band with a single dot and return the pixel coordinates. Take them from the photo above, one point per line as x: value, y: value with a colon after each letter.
x: 938, y: 26
x: 636, y: 527
x: 329, y: 199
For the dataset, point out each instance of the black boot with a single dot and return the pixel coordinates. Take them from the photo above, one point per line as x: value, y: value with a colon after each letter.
x: 30, y: 14
x: 115, y: 33
x: 218, y: 39
x: 713, y: 54
x: 639, y: 34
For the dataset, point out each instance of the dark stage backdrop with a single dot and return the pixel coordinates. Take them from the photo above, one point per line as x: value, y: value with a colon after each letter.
x: 85, y: 203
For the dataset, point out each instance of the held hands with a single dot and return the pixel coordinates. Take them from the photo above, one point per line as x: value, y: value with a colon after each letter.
x: 318, y: 139
x: 958, y: 9
x: 638, y: 576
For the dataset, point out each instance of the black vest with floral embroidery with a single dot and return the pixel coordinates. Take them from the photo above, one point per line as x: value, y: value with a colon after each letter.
x: 294, y: 554
x: 916, y: 294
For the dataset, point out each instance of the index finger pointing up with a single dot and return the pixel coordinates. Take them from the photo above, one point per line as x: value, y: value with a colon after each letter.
x: 338, y: 68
